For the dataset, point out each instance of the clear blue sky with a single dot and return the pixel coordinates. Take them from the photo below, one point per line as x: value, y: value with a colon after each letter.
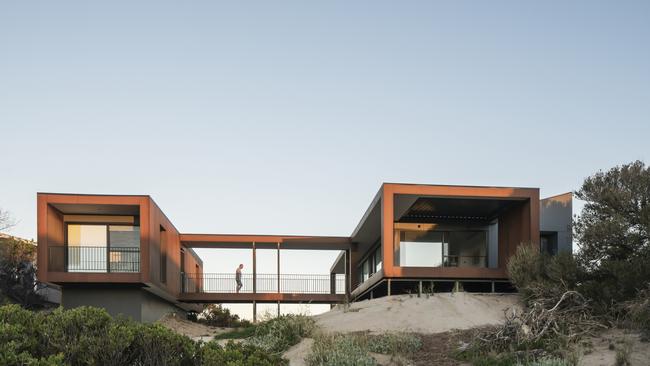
x: 285, y: 117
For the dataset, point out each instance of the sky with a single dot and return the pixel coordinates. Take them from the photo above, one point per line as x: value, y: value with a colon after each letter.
x: 285, y: 117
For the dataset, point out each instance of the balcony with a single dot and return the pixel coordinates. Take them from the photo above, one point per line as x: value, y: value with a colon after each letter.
x: 94, y: 259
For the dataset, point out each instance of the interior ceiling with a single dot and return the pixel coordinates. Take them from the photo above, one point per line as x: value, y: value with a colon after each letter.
x: 455, y: 208
x: 78, y: 209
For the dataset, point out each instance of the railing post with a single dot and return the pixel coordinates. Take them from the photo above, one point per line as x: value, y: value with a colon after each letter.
x: 108, y: 258
x: 254, y: 272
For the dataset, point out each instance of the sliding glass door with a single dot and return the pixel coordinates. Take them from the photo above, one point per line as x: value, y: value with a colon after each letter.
x: 461, y: 248
x: 103, y: 248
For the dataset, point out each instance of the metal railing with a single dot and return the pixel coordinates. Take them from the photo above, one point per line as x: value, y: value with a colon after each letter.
x: 464, y: 261
x: 94, y: 259
x: 265, y: 283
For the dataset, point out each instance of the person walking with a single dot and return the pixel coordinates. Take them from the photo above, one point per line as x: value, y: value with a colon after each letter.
x: 238, y: 277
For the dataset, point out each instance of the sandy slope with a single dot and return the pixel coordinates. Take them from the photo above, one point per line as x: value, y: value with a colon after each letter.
x: 436, y: 314
x: 194, y: 330
x: 601, y: 350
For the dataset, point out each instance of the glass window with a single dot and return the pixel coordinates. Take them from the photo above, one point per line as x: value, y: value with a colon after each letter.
x: 91, y: 247
x: 462, y: 248
x: 366, y: 270
x: 378, y: 260
x: 468, y: 248
x: 124, y: 236
x: 87, y: 248
x: 420, y: 249
x: 87, y: 235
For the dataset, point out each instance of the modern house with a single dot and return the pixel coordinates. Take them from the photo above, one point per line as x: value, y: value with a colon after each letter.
x: 122, y: 253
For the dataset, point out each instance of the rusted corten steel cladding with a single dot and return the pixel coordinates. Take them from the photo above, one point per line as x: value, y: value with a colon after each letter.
x: 153, y: 224
x: 517, y: 224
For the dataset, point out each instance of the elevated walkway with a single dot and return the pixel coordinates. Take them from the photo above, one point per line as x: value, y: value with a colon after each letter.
x: 263, y: 288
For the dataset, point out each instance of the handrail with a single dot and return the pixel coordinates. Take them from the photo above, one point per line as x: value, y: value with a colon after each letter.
x: 266, y: 283
x: 100, y: 259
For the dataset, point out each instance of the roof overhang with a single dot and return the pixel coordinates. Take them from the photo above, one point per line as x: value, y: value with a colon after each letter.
x: 265, y: 241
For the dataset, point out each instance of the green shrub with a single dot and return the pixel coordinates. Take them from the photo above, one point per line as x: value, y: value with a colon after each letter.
x: 237, y: 333
x: 638, y: 313
x: 615, y: 282
x: 340, y: 350
x: 538, y: 275
x: 89, y: 336
x: 278, y: 334
x: 237, y: 354
x: 217, y: 316
x: 395, y: 343
x: 550, y: 362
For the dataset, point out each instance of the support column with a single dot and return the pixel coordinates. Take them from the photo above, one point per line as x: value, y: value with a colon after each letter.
x: 278, y: 308
x: 278, y: 276
x: 254, y: 312
x: 492, y: 286
x: 348, y: 272
x: 420, y: 289
x: 388, y: 291
x: 254, y: 271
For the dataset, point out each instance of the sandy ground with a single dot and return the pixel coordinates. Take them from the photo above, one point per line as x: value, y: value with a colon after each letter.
x: 436, y: 314
x: 296, y: 354
x: 597, y: 350
x: 193, y: 330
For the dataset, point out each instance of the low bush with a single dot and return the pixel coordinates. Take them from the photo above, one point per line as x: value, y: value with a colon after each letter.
x: 278, y: 334
x: 550, y: 362
x: 89, y: 336
x: 340, y: 350
x: 394, y: 343
x: 638, y: 313
x: 556, y: 313
x: 539, y: 275
x: 237, y: 333
x: 237, y: 354
x: 216, y: 315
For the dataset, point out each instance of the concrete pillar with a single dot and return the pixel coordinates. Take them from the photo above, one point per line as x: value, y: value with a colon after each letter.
x: 389, y: 287
x: 420, y: 289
